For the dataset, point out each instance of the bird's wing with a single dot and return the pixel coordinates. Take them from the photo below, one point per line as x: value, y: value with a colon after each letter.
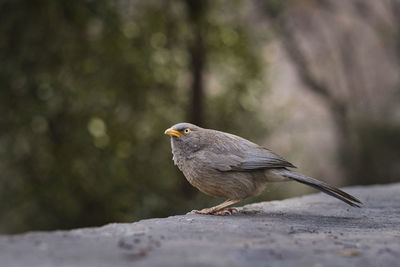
x: 262, y: 158
x: 233, y: 153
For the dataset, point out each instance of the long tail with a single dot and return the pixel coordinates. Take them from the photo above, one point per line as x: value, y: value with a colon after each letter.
x: 326, y: 188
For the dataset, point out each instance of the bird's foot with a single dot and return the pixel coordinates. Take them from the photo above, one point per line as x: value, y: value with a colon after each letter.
x: 227, y: 211
x: 203, y: 211
x: 210, y: 211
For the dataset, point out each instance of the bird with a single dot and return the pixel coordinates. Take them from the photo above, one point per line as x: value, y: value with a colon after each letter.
x: 227, y: 166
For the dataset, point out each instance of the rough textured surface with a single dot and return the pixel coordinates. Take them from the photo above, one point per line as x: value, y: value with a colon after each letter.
x: 313, y: 230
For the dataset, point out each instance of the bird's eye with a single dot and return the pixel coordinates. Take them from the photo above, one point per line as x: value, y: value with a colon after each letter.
x: 186, y: 131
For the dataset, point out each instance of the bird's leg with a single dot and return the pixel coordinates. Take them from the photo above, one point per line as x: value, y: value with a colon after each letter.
x: 219, y: 209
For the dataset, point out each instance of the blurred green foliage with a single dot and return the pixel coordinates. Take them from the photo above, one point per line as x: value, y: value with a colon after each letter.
x: 87, y: 89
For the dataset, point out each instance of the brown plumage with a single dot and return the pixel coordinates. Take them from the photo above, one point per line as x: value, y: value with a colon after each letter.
x: 225, y: 165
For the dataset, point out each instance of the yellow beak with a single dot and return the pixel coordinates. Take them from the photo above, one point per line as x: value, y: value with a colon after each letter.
x: 172, y: 132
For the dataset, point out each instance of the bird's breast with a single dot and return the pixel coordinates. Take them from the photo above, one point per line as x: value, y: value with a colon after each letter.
x: 178, y: 161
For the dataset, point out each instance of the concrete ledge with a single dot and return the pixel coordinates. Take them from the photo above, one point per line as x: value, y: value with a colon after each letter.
x: 313, y: 230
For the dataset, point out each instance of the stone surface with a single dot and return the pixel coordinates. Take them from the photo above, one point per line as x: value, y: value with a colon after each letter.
x: 314, y: 230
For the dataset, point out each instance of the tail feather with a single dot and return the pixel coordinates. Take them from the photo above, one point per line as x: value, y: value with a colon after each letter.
x: 326, y: 188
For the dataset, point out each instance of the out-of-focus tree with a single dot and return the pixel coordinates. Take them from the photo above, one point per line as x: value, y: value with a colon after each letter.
x: 88, y: 88
x: 347, y: 52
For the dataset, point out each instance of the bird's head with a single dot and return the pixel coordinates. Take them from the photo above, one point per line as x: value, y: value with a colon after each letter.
x: 185, y: 136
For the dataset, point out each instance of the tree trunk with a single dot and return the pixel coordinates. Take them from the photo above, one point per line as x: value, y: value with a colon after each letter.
x: 196, y: 16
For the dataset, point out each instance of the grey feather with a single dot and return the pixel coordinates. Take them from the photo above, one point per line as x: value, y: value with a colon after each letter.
x: 326, y: 188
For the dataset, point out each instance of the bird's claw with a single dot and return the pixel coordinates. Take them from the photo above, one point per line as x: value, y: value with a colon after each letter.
x: 227, y: 211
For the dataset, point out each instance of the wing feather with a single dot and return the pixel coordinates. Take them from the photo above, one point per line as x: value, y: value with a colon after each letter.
x: 233, y: 153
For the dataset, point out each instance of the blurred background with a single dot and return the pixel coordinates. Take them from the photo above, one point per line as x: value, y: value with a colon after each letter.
x: 87, y: 89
